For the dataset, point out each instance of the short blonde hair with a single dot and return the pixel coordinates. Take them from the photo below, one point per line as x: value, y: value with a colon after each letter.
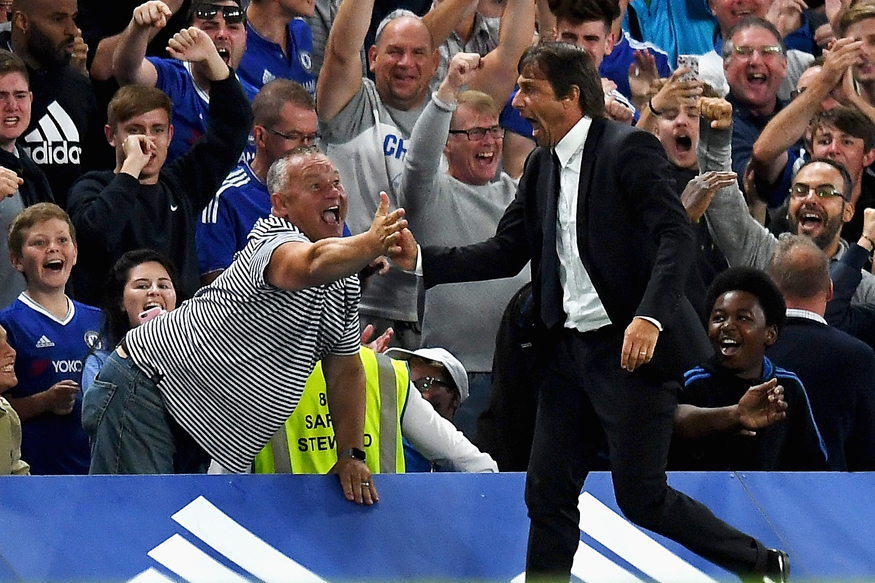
x: 38, y: 213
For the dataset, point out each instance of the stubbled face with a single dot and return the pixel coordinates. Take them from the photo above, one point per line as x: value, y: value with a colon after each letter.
x: 155, y: 125
x: 473, y: 161
x: 148, y: 286
x: 298, y: 128
x: 403, y: 62
x: 7, y: 363
x: 538, y: 103
x: 730, y: 12
x: 49, y: 30
x: 678, y: 130
x: 47, y: 255
x: 593, y: 37
x: 821, y: 219
x: 864, y: 30
x: 15, y: 102
x: 440, y: 393
x: 739, y: 334
x: 755, y: 79
x: 315, y: 201
x: 830, y: 142
x: 230, y: 39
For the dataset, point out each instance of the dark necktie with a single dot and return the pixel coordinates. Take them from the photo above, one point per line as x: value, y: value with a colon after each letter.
x: 552, y: 312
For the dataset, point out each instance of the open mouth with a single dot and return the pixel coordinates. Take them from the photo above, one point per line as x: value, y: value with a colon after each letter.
x: 225, y: 54
x: 728, y: 346
x: 150, y: 305
x: 756, y: 78
x: 486, y: 156
x: 683, y: 143
x: 55, y: 265
x: 810, y: 220
x: 331, y: 215
x: 11, y: 120
x: 8, y: 368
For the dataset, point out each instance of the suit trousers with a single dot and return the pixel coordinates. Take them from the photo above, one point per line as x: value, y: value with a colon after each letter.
x: 584, y: 397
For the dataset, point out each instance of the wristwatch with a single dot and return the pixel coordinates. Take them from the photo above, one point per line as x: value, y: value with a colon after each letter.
x: 353, y: 452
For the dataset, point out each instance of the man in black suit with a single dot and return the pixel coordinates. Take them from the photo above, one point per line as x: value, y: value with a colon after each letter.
x: 608, y: 270
x: 838, y: 370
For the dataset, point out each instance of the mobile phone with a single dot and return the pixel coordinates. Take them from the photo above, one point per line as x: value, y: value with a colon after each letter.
x: 150, y: 314
x: 691, y: 62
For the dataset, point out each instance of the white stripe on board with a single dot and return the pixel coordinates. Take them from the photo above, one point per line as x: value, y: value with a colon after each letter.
x: 591, y: 566
x: 218, y: 530
x: 641, y: 551
x: 150, y: 575
x: 191, y: 563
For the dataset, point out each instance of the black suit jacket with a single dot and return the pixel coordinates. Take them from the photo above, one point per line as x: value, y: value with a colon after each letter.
x: 634, y: 238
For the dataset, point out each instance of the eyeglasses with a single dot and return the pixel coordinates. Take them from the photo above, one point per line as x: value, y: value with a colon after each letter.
x: 294, y: 136
x: 477, y: 134
x: 766, y: 51
x: 800, y: 190
x: 231, y: 14
x: 425, y: 383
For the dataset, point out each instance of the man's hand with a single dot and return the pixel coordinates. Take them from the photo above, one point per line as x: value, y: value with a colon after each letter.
x: 761, y: 406
x: 786, y: 15
x: 406, y: 257
x: 9, y: 182
x: 718, y: 110
x: 386, y: 226
x: 462, y: 70
x: 195, y: 46
x: 841, y: 56
x: 152, y: 14
x: 356, y: 481
x: 61, y: 397
x: 700, y: 191
x: 138, y: 150
x: 639, y: 342
x: 617, y: 111
x: 642, y: 74
x: 675, y: 93
x: 867, y: 239
x: 80, y: 53
x: 379, y: 344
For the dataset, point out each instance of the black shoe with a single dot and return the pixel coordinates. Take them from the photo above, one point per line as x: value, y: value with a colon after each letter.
x: 777, y: 567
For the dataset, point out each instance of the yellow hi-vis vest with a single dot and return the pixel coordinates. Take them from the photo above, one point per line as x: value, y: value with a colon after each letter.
x: 306, y: 443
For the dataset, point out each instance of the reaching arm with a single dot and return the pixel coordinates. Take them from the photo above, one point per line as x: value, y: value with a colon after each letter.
x: 298, y: 265
x: 761, y: 406
x: 345, y: 387
x: 129, y: 57
x: 499, y: 73
x: 445, y: 16
x: 341, y: 74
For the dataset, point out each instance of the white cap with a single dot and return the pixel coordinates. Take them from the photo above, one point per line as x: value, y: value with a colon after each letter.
x: 438, y: 356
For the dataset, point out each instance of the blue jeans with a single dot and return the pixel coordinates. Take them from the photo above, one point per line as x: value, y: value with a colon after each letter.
x: 131, y: 430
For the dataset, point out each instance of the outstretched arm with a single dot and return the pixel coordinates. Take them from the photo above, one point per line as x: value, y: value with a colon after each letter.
x: 129, y: 62
x: 761, y: 406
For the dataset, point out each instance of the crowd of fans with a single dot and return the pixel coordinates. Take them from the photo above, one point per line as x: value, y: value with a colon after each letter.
x: 149, y: 155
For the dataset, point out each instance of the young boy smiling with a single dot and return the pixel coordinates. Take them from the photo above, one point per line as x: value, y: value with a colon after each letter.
x: 739, y: 411
x: 52, y: 334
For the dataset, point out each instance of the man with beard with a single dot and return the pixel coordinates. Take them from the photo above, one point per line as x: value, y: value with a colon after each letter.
x: 820, y: 203
x: 65, y: 133
x: 187, y: 84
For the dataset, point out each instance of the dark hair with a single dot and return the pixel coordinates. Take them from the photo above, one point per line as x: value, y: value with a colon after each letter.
x: 849, y: 120
x: 268, y: 104
x: 198, y: 3
x: 565, y: 66
x: 580, y: 11
x: 848, y: 189
x: 751, y: 22
x: 799, y: 268
x: 116, y: 323
x: 133, y: 100
x: 12, y: 63
x: 753, y: 281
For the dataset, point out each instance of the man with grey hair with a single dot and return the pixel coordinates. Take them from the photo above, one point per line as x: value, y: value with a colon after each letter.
x: 365, y: 125
x: 295, y: 280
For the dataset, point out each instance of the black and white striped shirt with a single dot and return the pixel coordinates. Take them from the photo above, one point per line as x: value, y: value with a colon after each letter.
x: 234, y: 359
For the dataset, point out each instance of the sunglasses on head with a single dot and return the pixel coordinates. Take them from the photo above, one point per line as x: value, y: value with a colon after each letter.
x: 231, y: 14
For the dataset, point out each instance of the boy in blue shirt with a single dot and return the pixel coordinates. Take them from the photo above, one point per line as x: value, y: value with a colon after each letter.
x: 51, y: 334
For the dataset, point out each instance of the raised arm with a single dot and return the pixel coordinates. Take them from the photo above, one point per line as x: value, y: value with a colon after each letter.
x: 769, y: 155
x: 129, y: 62
x: 445, y: 16
x: 499, y: 74
x: 299, y: 265
x: 341, y: 74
